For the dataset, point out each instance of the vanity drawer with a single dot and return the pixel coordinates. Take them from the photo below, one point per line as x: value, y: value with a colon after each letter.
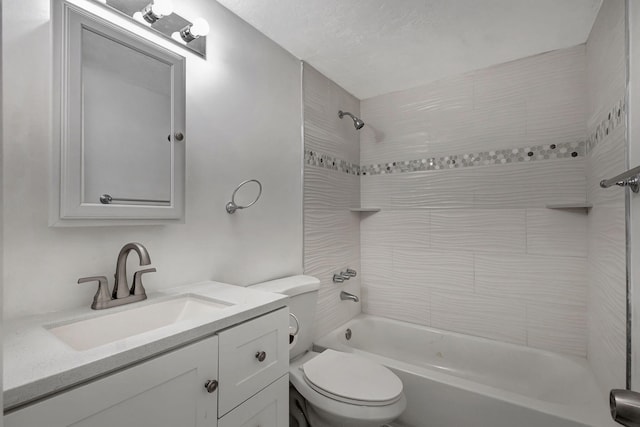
x: 269, y: 408
x: 252, y: 356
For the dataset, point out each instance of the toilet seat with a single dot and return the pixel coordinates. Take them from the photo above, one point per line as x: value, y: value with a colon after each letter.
x: 351, y: 379
x: 334, y: 411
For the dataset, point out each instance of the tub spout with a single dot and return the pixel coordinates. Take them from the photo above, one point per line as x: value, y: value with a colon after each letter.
x: 625, y: 407
x: 346, y: 296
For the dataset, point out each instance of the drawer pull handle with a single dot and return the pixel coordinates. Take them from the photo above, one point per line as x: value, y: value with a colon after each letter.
x: 261, y: 355
x: 211, y: 386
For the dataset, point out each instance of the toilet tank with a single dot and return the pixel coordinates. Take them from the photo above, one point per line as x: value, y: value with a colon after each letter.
x: 303, y: 296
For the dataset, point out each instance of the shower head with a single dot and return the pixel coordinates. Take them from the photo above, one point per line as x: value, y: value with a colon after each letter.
x: 359, y: 124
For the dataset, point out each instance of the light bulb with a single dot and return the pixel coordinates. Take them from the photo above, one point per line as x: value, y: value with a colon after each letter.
x: 200, y: 27
x: 162, y: 7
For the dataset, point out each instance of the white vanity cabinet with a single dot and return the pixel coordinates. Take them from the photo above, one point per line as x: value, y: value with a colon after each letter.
x: 167, y: 391
x: 249, y: 362
x: 252, y: 356
x: 269, y: 408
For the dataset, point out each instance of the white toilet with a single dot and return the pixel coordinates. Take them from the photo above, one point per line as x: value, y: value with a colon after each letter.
x: 340, y: 389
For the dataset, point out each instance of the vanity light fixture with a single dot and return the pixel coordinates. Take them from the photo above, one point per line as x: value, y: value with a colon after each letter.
x: 161, y: 17
x: 189, y: 33
x: 154, y: 11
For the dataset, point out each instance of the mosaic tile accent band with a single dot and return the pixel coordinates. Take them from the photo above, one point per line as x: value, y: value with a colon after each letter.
x: 484, y: 158
x: 314, y: 158
x: 612, y: 120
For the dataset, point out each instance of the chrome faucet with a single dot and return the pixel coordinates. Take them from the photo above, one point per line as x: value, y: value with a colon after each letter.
x: 346, y: 296
x: 121, y: 293
x: 121, y: 287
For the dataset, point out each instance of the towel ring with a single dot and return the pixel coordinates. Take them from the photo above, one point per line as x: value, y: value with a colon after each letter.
x: 232, y: 207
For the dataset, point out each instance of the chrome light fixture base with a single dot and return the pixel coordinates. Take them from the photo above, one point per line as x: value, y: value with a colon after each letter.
x: 187, y: 35
x: 148, y: 14
x: 165, y: 26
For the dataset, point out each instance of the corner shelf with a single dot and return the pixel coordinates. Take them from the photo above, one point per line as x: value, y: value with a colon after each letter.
x: 369, y: 210
x: 586, y: 206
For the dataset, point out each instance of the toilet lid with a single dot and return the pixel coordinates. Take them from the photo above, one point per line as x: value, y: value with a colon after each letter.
x: 352, y: 378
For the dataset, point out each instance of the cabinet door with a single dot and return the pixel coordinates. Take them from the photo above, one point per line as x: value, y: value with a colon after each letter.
x: 252, y: 356
x: 269, y: 408
x: 167, y: 391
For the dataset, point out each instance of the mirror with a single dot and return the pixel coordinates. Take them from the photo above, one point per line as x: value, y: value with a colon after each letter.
x: 120, y: 147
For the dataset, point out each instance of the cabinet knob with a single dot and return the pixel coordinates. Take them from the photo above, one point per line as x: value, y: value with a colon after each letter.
x: 211, y: 385
x: 261, y: 355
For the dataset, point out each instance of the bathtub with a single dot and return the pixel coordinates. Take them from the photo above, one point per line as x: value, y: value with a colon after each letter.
x: 455, y: 380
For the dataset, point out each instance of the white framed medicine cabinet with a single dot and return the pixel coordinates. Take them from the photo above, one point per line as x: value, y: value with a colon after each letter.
x: 118, y: 152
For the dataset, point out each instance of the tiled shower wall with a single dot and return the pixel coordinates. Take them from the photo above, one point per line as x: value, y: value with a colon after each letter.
x: 463, y: 169
x: 331, y: 187
x: 606, y: 82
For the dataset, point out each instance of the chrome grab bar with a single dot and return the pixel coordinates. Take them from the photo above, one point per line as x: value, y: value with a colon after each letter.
x: 107, y: 199
x: 625, y: 179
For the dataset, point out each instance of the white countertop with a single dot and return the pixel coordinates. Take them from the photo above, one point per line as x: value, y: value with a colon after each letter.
x: 37, y: 364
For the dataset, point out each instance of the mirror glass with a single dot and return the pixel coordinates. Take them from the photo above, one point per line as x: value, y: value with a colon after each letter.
x: 126, y: 99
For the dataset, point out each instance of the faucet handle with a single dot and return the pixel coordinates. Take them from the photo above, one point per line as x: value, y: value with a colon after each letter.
x: 345, y: 275
x: 351, y: 273
x: 102, y: 296
x: 137, y: 288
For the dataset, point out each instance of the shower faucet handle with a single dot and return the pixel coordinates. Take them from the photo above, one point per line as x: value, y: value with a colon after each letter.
x: 338, y: 278
x: 351, y: 273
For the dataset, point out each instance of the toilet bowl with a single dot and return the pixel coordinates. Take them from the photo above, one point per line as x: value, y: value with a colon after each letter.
x: 346, y: 390
x: 340, y: 389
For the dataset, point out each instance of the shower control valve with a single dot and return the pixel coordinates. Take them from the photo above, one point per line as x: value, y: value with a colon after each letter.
x: 351, y: 273
x: 338, y: 278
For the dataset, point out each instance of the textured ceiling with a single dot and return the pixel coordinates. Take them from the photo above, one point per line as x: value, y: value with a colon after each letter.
x: 371, y: 47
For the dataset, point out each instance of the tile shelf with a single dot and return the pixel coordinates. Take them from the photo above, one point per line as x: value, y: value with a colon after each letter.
x: 370, y: 210
x: 585, y: 205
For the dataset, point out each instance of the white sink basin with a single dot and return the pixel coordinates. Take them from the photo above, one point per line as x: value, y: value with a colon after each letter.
x: 89, y: 333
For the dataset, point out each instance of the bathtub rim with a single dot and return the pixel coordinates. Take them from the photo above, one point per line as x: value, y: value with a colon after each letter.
x: 592, y: 413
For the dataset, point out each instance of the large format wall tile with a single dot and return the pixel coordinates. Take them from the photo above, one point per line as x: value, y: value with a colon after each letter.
x: 532, y: 185
x: 606, y: 60
x: 490, y: 317
x: 535, y: 100
x: 324, y: 188
x: 607, y: 89
x: 434, y: 269
x: 520, y: 185
x: 532, y: 278
x: 404, y: 125
x: 607, y: 160
x: 607, y: 294
x: 479, y: 230
x: 560, y: 232
x: 324, y: 131
x: 331, y: 236
x: 331, y: 231
x: 557, y: 327
x: 396, y: 229
x: 468, y: 245
x: 396, y: 299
